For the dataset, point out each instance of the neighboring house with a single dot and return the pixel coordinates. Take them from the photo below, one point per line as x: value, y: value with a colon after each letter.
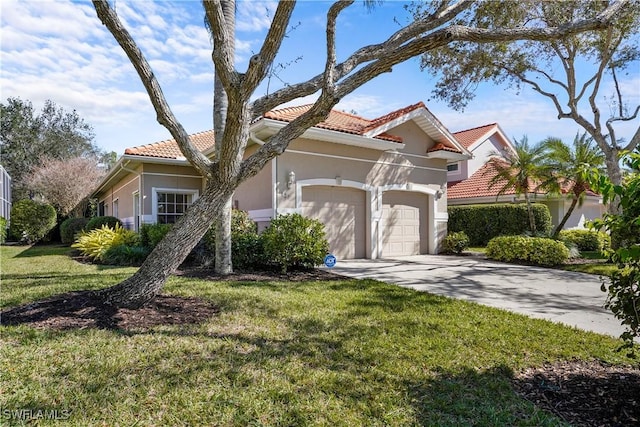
x: 468, y: 179
x: 5, y: 194
x: 377, y: 185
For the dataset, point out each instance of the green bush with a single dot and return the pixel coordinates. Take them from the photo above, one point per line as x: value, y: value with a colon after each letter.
x: 125, y: 255
x: 31, y: 221
x: 70, y: 227
x: 151, y: 234
x: 586, y: 240
x: 294, y: 241
x: 534, y: 250
x: 246, y: 246
x: 95, y: 243
x: 484, y: 222
x: 3, y: 230
x: 456, y: 242
x: 99, y: 221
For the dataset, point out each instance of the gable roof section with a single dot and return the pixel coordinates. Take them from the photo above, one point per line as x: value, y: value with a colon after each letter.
x: 470, y: 137
x: 337, y: 121
x: 168, y: 149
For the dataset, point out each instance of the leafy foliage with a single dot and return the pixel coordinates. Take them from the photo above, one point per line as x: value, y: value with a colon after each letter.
x: 535, y: 250
x: 246, y: 246
x: 151, y: 234
x: 586, y: 240
x: 70, y: 227
x: 624, y: 284
x: 456, y: 242
x: 126, y: 255
x: 484, y: 222
x: 26, y: 136
x: 99, y: 221
x: 96, y: 242
x: 3, y: 230
x: 294, y: 241
x: 31, y: 221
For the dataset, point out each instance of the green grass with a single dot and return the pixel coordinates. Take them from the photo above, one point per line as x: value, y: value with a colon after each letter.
x: 342, y: 353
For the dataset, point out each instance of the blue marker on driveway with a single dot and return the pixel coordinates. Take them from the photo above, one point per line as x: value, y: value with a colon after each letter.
x: 330, y: 260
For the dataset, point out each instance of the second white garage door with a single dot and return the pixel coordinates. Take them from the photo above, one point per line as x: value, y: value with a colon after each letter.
x: 404, y: 224
x: 343, y: 213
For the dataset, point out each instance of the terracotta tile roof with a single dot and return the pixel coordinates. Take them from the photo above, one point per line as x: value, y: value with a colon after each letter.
x: 168, y: 149
x: 477, y: 185
x: 469, y: 136
x: 394, y: 115
x: 441, y: 147
x: 338, y: 121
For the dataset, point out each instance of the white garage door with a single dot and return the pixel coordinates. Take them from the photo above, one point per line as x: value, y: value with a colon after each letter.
x: 404, y: 223
x: 343, y: 213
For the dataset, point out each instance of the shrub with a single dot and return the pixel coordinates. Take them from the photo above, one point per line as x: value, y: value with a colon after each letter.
x: 31, y: 221
x: 535, y: 250
x: 3, y: 230
x: 586, y: 240
x: 99, y: 221
x: 126, y: 255
x: 294, y: 241
x: 456, y: 242
x: 95, y: 243
x: 246, y: 246
x: 70, y: 227
x: 151, y: 234
x: 484, y: 222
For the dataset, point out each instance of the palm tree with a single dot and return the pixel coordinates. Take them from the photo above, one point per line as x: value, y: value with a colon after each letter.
x: 522, y: 170
x: 570, y: 166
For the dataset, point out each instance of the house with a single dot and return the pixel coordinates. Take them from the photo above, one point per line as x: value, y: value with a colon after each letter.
x: 5, y: 194
x: 468, y: 179
x: 378, y: 185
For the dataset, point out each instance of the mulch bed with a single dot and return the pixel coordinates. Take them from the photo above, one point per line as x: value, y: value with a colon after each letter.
x: 581, y: 393
x: 584, y: 393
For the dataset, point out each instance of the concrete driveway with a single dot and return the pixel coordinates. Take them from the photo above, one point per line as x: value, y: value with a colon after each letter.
x: 574, y: 299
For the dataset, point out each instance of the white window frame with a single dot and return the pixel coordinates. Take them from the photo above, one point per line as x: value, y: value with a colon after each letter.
x: 115, y: 208
x: 456, y: 171
x: 154, y: 197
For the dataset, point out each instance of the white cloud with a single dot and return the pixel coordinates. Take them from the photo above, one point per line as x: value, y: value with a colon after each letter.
x: 254, y: 15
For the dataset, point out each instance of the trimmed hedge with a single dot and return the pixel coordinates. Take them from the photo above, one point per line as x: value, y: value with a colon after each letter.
x: 70, y: 227
x: 3, y: 229
x: 151, y: 234
x: 534, y: 250
x: 31, y: 221
x: 246, y: 246
x: 586, y: 240
x: 484, y: 222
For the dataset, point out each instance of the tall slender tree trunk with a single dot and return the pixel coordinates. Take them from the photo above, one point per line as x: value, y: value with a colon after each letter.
x: 532, y: 218
x: 565, y: 218
x: 170, y: 252
x: 223, y: 261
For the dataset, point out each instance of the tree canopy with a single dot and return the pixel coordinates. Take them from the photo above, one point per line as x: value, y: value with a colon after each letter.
x: 27, y: 136
x: 571, y: 72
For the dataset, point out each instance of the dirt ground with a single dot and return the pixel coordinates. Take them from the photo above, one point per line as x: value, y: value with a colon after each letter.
x: 581, y: 393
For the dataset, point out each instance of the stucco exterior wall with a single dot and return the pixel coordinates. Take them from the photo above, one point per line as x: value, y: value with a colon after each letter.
x: 121, y: 193
x: 256, y: 194
x: 481, y: 154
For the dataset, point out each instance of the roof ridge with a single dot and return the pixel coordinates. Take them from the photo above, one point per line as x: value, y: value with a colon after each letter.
x: 394, y: 114
x: 477, y: 127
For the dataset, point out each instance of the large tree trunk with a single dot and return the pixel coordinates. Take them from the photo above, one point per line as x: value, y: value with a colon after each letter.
x: 170, y: 252
x: 223, y: 262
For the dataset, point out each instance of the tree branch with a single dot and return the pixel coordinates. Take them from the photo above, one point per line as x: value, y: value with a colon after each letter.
x: 223, y: 52
x: 164, y: 114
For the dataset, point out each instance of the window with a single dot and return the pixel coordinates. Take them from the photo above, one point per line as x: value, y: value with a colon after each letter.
x: 115, y: 208
x: 453, y: 167
x: 172, y: 205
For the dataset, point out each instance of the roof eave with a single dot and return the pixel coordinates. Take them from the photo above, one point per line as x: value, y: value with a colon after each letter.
x: 447, y: 155
x: 336, y: 137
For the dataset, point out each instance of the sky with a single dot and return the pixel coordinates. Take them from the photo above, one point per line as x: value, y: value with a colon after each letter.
x: 59, y: 50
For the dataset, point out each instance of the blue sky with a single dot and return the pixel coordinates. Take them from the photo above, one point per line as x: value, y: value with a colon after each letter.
x: 60, y: 51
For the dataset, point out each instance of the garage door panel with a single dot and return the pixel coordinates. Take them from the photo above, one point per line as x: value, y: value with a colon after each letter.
x: 342, y: 211
x: 405, y: 231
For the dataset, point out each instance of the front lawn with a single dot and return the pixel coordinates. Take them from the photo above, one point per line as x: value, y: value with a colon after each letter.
x: 340, y: 352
